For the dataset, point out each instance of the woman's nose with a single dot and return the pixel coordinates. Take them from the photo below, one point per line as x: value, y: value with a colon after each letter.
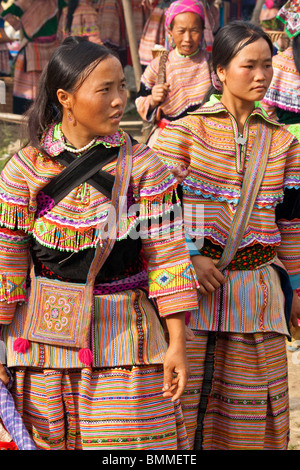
x: 117, y: 100
x: 260, y: 74
x: 187, y: 36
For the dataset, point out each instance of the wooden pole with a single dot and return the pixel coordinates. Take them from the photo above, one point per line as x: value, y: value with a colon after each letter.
x: 132, y: 42
x: 256, y: 12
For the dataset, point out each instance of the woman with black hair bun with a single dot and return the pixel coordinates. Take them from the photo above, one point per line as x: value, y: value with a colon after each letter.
x: 282, y: 100
x: 244, y: 173
x: 79, y: 18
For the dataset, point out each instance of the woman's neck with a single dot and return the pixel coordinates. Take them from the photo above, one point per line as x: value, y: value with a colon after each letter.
x: 240, y: 109
x: 72, y: 136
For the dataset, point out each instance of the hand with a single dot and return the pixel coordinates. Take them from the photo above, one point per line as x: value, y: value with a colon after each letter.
x: 189, y: 334
x: 181, y: 172
x: 176, y: 373
x: 295, y: 310
x: 176, y: 367
x: 3, y: 375
x: 209, y: 277
x: 158, y: 94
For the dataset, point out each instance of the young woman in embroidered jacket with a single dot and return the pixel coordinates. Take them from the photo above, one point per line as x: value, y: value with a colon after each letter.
x: 248, y: 268
x: 115, y: 389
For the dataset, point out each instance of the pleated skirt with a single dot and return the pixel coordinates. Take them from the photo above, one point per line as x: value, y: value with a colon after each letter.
x: 237, y: 393
x: 115, y: 408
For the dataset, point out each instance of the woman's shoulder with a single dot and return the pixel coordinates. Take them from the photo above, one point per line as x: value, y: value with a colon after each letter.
x: 283, y: 137
x: 144, y: 156
x: 150, y: 175
x: 32, y: 164
x: 191, y: 123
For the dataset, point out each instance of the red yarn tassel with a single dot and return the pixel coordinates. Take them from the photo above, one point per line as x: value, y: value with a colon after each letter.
x: 86, y: 356
x: 21, y: 345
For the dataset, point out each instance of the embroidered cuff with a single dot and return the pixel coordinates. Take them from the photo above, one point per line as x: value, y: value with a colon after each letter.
x: 13, y: 287
x: 176, y: 303
x: 173, y: 280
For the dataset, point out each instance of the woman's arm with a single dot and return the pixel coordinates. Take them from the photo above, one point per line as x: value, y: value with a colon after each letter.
x: 176, y: 368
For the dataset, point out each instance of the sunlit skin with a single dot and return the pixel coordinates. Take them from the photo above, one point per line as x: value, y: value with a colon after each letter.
x: 246, y: 79
x: 97, y: 107
x: 186, y: 32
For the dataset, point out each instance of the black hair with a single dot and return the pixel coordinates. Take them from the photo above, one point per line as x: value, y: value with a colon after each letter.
x: 229, y: 41
x: 72, y: 5
x: 296, y: 51
x: 70, y: 64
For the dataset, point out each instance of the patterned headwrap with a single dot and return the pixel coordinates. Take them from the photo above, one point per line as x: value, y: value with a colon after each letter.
x: 183, y: 6
x: 289, y: 14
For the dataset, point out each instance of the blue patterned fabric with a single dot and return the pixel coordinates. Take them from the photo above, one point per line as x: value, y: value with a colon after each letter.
x: 13, y: 422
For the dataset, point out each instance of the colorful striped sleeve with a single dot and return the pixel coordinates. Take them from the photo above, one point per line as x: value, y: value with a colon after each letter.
x: 174, y: 144
x: 172, y: 280
x: 288, y: 216
x: 16, y: 222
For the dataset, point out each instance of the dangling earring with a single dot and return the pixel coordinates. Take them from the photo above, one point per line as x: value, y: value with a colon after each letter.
x: 71, y: 119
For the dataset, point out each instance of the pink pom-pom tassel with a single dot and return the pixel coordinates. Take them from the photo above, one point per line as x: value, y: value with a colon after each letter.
x: 21, y: 345
x: 86, y: 356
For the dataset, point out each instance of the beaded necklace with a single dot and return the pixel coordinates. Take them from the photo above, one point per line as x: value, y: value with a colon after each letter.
x: 72, y: 149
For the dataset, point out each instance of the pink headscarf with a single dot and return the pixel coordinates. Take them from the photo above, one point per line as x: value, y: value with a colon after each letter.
x: 183, y: 6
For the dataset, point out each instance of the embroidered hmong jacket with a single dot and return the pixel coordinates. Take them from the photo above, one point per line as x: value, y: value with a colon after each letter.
x: 62, y: 240
x: 284, y: 90
x: 189, y: 80
x: 205, y: 141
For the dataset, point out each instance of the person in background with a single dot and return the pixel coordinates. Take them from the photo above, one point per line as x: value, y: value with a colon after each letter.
x: 112, y: 25
x: 153, y: 31
x: 37, y: 20
x: 244, y: 175
x: 187, y: 76
x: 269, y: 11
x: 81, y: 206
x: 79, y: 18
x: 270, y: 23
x: 282, y: 100
x: 4, y: 51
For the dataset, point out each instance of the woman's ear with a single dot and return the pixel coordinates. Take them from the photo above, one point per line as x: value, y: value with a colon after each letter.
x: 221, y: 73
x: 64, y: 98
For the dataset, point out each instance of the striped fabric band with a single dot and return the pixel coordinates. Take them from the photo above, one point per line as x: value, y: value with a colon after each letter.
x: 248, y: 406
x: 99, y: 409
x: 251, y: 185
x: 249, y: 301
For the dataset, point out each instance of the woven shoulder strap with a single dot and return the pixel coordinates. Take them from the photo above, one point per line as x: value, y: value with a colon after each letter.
x: 252, y: 180
x: 119, y: 192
